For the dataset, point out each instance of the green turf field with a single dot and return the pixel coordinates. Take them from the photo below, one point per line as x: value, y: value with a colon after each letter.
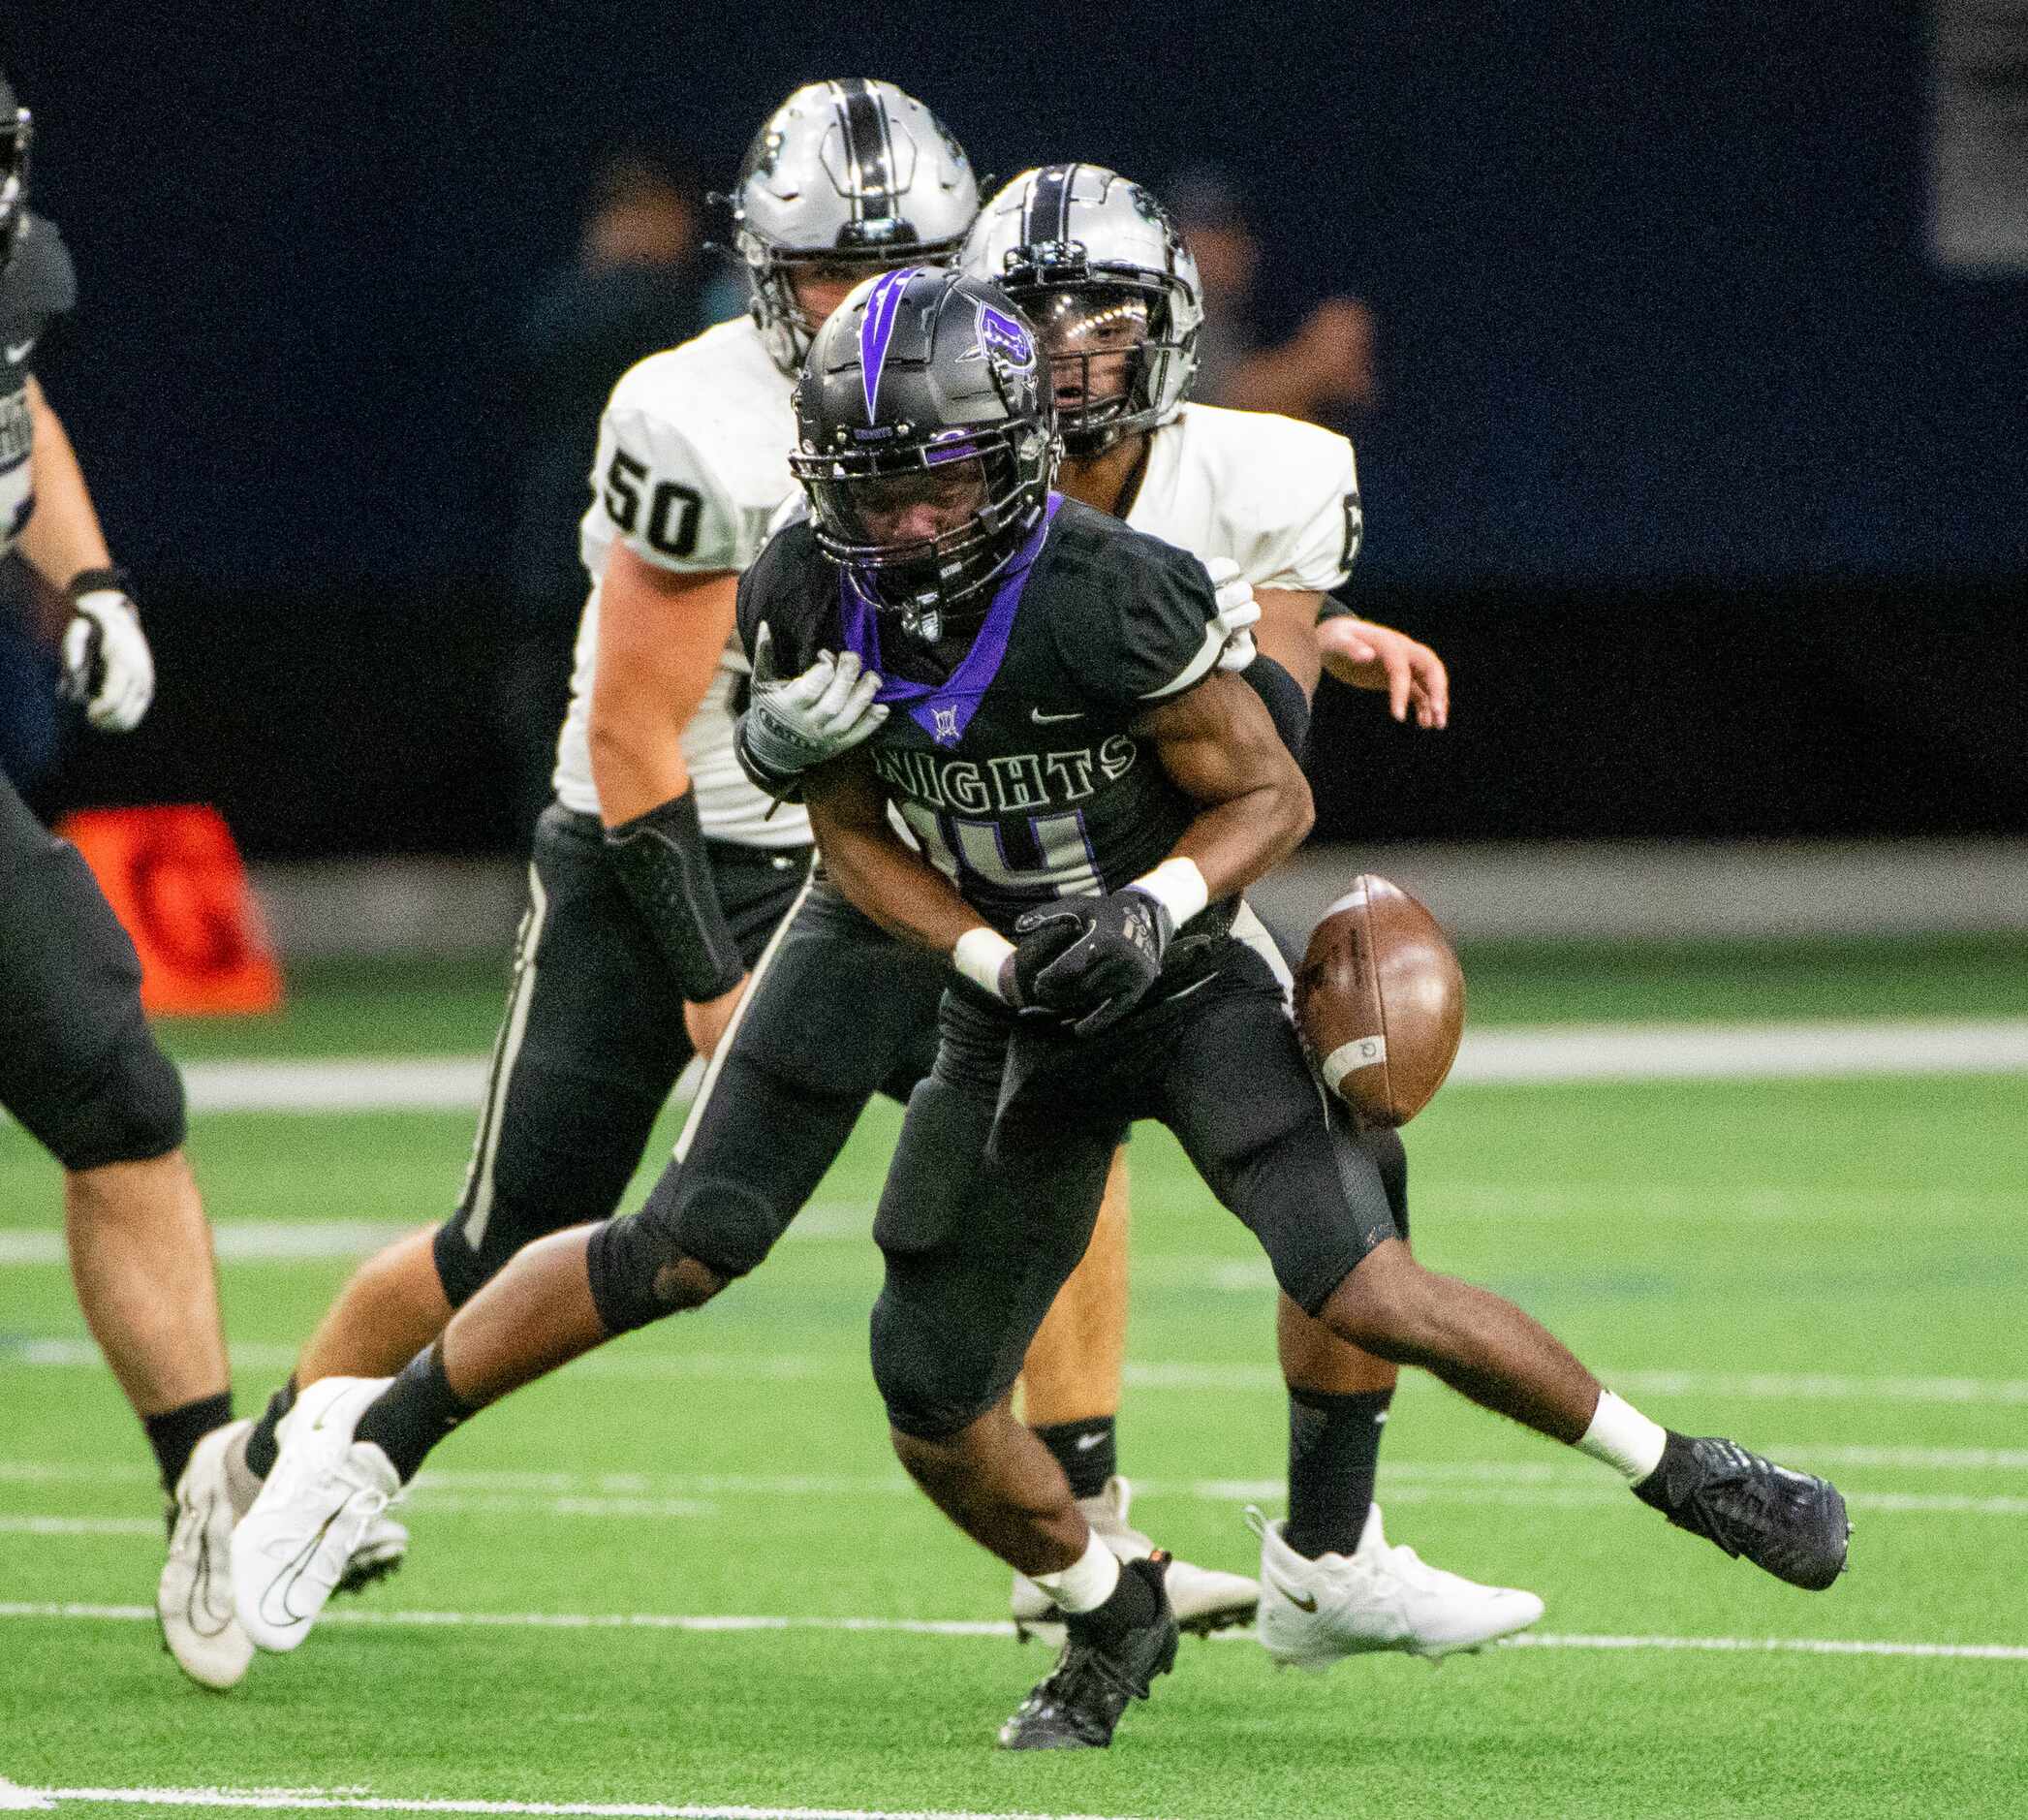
x: 1834, y: 1271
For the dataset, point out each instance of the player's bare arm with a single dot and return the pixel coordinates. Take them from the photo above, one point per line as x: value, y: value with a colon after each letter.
x: 869, y: 864
x: 62, y: 535
x: 1286, y: 631
x: 1092, y: 959
x: 1220, y: 748
x: 660, y: 636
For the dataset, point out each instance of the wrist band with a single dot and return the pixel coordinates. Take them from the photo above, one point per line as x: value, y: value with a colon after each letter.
x: 1178, y: 887
x: 979, y: 954
x: 107, y: 581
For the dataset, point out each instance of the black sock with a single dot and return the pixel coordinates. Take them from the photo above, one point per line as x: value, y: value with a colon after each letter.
x: 1087, y: 1451
x: 414, y: 1413
x: 1664, y: 1487
x: 1131, y: 1606
x: 1333, y: 1455
x: 176, y: 1432
x: 262, y: 1442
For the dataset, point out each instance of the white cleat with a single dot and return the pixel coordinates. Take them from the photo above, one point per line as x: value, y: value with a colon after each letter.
x: 1203, y: 1598
x: 290, y: 1550
x: 1312, y: 1611
x: 194, y: 1597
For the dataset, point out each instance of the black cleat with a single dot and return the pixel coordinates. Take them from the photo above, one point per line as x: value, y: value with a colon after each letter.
x: 1080, y: 1701
x: 1792, y: 1524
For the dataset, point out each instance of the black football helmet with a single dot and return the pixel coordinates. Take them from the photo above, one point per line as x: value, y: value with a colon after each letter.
x: 1104, y: 273
x: 926, y: 441
x: 15, y: 131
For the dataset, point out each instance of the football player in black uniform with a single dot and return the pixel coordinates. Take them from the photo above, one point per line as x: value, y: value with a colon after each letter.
x: 79, y: 1065
x: 1088, y: 793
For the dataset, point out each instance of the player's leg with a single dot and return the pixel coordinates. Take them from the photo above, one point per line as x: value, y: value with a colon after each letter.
x: 1282, y: 1159
x: 979, y: 1227
x: 81, y: 1070
x: 758, y: 1141
x: 1070, y: 1395
x: 588, y: 1045
x: 1071, y: 1378
x: 1330, y: 1585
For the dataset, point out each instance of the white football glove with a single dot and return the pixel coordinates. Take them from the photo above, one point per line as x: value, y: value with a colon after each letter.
x: 793, y: 725
x: 1238, y: 612
x: 107, y: 664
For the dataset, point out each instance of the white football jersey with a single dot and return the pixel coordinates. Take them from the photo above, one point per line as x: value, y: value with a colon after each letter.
x: 1279, y: 497
x: 692, y: 462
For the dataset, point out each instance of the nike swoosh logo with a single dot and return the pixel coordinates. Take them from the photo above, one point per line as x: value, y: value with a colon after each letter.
x: 17, y: 351
x: 1086, y: 1442
x: 1040, y: 719
x: 1307, y: 1603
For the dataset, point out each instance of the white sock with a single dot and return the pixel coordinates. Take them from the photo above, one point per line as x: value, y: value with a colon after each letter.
x: 1087, y: 1583
x: 1624, y: 1438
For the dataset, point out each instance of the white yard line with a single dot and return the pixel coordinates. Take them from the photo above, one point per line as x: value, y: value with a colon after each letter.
x: 303, y: 1241
x: 468, y: 1481
x: 1739, y: 1051
x: 957, y: 1628
x: 642, y: 1365
x: 321, y: 1800
x: 1395, y: 1492
x: 1496, y: 1056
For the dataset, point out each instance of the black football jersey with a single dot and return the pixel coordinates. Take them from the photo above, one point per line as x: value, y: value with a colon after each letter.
x: 1010, y: 755
x: 39, y: 283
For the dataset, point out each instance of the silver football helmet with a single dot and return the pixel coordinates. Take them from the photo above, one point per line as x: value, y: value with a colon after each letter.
x: 848, y: 173
x: 1099, y: 268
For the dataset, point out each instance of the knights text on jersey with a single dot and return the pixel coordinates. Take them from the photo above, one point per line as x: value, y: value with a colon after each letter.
x: 1016, y: 766
x: 1279, y: 497
x: 39, y: 283
x: 692, y: 463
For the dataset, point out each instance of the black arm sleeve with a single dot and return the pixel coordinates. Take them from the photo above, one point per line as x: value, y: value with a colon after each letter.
x: 1282, y: 696
x: 661, y: 860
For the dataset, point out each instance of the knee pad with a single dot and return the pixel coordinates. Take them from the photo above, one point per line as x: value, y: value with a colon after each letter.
x: 638, y: 1272
x: 130, y: 1111
x: 912, y: 1369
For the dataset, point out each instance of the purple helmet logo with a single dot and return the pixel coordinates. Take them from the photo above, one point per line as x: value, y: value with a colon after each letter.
x: 1001, y: 337
x: 877, y: 330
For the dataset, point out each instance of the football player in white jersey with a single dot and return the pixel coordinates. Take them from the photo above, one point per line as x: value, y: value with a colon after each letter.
x: 1104, y: 273
x: 78, y: 1067
x: 838, y: 1010
x: 661, y: 870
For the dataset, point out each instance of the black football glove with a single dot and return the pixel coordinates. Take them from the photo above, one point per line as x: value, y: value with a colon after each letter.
x: 1090, y: 959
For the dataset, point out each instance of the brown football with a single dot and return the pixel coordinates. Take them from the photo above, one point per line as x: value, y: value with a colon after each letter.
x: 1380, y: 1002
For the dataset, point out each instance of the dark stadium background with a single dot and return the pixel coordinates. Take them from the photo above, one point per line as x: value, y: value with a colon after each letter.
x: 1712, y: 486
